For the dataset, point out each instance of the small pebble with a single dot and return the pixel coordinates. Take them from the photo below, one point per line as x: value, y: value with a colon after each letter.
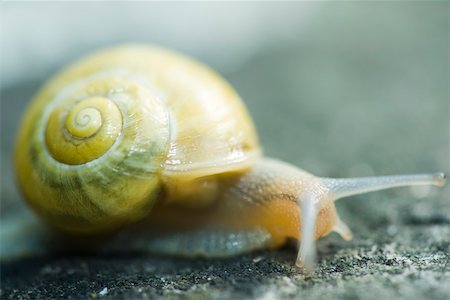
x: 103, y: 292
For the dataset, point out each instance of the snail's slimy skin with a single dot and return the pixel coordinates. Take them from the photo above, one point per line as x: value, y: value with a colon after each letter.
x: 255, y: 209
x: 140, y: 133
x: 266, y: 196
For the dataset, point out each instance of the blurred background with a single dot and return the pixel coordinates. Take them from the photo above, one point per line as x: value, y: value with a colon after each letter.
x: 339, y: 89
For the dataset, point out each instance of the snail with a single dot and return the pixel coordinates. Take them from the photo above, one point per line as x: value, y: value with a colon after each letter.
x: 139, y: 134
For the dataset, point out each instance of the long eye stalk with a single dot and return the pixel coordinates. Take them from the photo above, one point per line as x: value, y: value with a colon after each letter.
x: 345, y: 187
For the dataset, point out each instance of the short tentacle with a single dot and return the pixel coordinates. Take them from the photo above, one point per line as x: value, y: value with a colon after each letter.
x: 342, y: 229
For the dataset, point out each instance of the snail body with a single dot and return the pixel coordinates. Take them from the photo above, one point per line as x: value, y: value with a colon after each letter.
x: 143, y: 133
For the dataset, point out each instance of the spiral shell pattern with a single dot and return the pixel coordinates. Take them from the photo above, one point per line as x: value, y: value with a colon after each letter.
x: 89, y: 130
x: 90, y: 155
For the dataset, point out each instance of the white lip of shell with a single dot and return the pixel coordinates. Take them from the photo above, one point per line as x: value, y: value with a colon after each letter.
x: 208, y: 167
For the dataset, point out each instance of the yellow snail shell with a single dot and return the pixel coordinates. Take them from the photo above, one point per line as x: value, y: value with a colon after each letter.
x: 99, y: 137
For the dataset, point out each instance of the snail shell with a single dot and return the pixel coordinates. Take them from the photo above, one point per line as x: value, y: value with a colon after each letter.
x: 101, y: 137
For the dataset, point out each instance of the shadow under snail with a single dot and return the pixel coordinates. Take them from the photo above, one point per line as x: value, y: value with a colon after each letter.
x: 140, y: 133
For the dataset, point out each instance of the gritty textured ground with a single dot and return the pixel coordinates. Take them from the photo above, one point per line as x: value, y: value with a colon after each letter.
x: 416, y: 268
x: 356, y: 90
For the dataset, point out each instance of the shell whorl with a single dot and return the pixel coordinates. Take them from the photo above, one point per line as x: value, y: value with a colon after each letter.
x: 92, y: 152
x: 85, y: 132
